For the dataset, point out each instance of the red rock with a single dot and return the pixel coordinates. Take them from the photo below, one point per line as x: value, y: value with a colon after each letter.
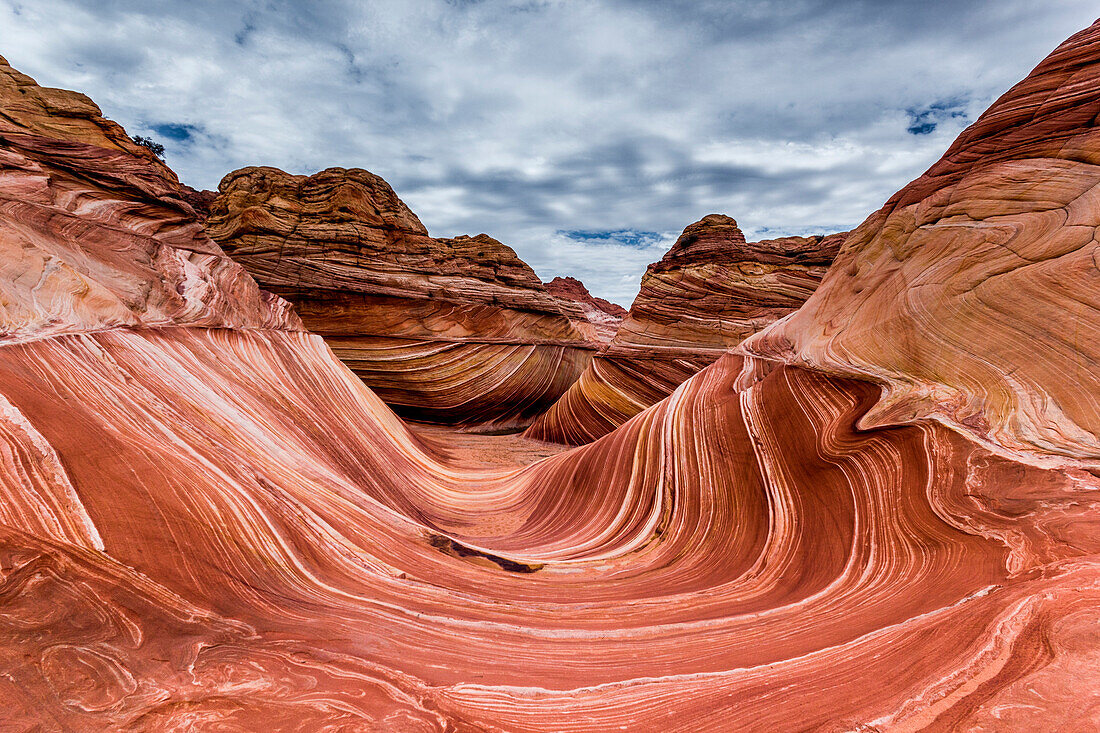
x: 710, y: 291
x: 98, y: 232
x: 595, y: 318
x: 223, y: 528
x: 457, y: 331
x: 973, y: 295
x: 305, y: 555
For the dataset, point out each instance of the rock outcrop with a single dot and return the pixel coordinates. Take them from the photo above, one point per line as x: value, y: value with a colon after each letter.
x: 457, y: 331
x: 973, y: 295
x: 597, y: 319
x: 709, y: 292
x: 98, y: 231
x: 211, y: 523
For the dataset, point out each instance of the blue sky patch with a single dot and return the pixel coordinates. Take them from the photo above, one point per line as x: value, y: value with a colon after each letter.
x: 629, y: 237
x: 175, y: 131
x: 925, y: 120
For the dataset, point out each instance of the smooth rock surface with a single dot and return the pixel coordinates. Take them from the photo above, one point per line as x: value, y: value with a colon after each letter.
x: 973, y: 295
x: 457, y: 331
x: 220, y: 527
x: 710, y: 291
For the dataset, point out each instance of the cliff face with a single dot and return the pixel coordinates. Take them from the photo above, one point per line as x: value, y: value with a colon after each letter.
x: 710, y: 291
x: 973, y: 294
x: 595, y: 318
x: 445, y: 330
x: 65, y: 116
x: 207, y: 521
x: 98, y: 233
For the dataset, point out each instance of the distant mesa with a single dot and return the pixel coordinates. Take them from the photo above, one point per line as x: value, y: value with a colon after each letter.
x: 457, y: 331
x: 709, y: 292
x: 596, y: 318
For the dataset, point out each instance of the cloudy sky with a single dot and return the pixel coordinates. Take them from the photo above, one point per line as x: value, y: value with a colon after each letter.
x: 586, y: 135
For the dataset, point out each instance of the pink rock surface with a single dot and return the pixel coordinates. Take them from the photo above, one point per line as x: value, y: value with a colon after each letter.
x: 217, y: 525
x: 97, y: 232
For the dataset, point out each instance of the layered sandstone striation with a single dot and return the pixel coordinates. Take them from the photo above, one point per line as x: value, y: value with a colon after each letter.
x: 973, y: 295
x: 299, y: 560
x: 710, y: 291
x: 456, y: 331
x: 98, y: 233
x: 597, y: 319
x: 224, y: 528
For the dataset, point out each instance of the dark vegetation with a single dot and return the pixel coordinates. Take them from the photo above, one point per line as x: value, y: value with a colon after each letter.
x: 148, y: 142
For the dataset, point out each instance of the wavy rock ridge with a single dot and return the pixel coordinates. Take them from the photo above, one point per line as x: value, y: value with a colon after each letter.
x: 98, y: 233
x: 710, y: 291
x: 456, y: 331
x: 224, y: 528
x: 973, y: 294
x: 309, y: 571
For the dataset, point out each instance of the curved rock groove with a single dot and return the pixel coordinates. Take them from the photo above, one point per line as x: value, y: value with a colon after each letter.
x: 208, y: 521
x: 717, y: 534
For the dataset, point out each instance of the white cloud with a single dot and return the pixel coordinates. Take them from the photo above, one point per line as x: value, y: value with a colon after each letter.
x: 606, y: 259
x: 524, y: 119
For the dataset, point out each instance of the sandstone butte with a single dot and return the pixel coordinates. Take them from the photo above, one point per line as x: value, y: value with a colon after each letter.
x: 597, y: 319
x: 208, y: 521
x: 709, y: 292
x: 457, y: 331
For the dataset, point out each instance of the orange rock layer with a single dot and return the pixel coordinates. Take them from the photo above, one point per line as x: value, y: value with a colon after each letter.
x: 710, y: 291
x: 445, y: 330
x: 218, y: 526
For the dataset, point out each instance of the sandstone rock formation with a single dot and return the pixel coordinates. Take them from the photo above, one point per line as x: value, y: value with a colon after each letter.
x: 223, y: 528
x: 595, y: 318
x: 973, y: 294
x: 444, y: 330
x: 98, y: 232
x: 710, y: 291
